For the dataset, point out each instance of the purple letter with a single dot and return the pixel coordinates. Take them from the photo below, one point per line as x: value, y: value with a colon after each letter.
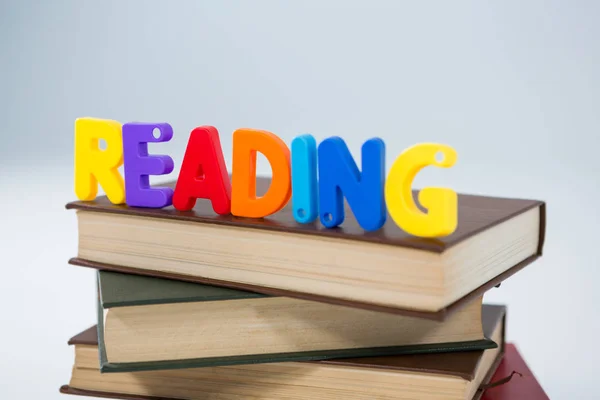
x: 138, y: 165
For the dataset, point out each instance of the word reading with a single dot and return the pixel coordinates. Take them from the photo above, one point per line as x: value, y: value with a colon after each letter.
x: 316, y: 179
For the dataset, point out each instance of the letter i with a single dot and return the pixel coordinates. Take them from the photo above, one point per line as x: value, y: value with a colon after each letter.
x: 304, y: 179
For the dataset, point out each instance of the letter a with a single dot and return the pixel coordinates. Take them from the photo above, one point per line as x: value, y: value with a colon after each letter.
x: 203, y: 173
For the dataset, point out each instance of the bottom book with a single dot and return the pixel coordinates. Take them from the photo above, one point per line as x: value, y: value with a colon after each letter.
x: 457, y: 375
x: 520, y: 383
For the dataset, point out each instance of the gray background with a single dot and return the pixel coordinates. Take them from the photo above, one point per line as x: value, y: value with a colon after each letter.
x: 513, y: 86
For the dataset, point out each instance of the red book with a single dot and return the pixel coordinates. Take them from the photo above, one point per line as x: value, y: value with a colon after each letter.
x: 522, y: 386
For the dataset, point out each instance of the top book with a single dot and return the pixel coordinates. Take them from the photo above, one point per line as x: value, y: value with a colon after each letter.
x: 386, y: 270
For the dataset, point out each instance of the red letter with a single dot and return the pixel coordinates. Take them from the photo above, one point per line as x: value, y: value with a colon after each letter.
x: 203, y: 173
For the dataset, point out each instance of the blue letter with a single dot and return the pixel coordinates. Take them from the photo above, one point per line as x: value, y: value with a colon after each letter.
x: 304, y: 179
x: 339, y: 176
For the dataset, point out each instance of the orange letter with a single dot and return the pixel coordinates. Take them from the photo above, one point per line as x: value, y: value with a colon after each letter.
x: 244, y: 203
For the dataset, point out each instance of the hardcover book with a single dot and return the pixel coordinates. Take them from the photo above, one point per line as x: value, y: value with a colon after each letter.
x: 387, y: 270
x: 522, y: 384
x: 448, y: 376
x: 150, y: 323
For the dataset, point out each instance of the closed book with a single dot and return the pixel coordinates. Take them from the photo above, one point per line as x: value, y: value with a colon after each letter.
x: 148, y: 323
x: 522, y: 385
x: 437, y: 376
x: 386, y: 270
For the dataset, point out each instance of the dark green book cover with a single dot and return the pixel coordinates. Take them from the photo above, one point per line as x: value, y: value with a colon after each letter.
x: 124, y: 290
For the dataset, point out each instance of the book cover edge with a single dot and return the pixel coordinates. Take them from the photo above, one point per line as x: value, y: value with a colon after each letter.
x: 440, y: 315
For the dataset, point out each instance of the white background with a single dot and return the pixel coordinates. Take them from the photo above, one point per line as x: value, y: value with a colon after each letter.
x: 513, y: 86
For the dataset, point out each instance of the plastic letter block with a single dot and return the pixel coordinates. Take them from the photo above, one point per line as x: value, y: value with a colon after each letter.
x: 94, y: 165
x: 244, y: 203
x: 203, y: 173
x: 339, y: 176
x: 139, y: 165
x: 441, y: 204
x: 304, y: 179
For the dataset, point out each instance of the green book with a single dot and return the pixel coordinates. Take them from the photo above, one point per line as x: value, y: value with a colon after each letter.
x: 147, y: 323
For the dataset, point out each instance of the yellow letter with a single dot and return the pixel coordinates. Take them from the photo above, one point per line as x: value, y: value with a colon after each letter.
x: 94, y: 165
x: 441, y: 203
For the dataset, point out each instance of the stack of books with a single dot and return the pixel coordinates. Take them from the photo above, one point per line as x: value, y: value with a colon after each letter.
x: 194, y: 305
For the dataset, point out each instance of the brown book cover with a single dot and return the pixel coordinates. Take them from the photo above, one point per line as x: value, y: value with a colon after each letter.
x: 462, y: 364
x: 475, y: 215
